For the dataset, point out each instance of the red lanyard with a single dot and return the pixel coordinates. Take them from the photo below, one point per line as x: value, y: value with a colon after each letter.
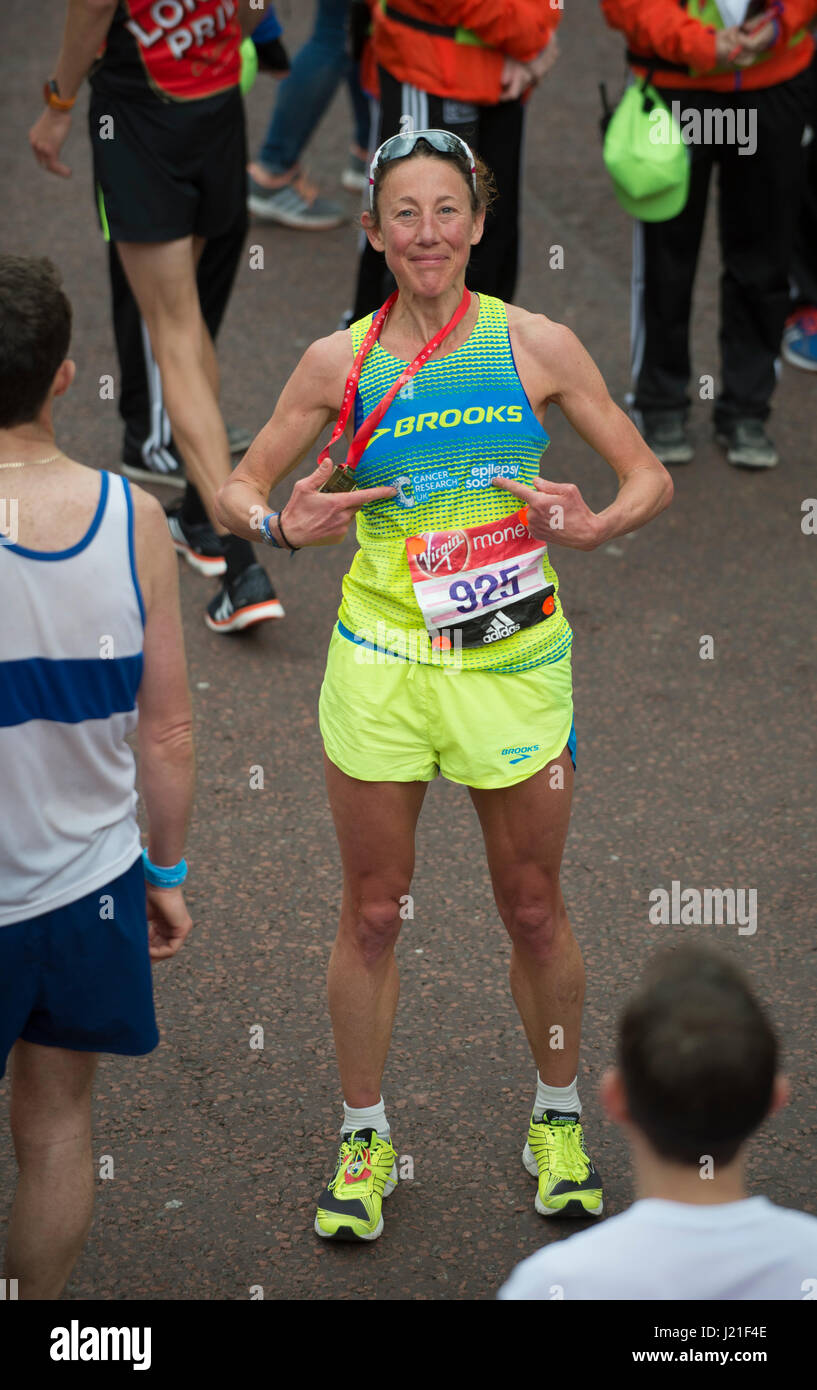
x: 367, y: 429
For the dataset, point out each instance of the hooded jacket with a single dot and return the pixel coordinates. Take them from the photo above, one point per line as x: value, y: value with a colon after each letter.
x: 457, y: 48
x: 676, y: 40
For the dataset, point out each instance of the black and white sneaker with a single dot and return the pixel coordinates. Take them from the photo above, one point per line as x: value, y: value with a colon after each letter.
x: 249, y: 600
x: 747, y: 444
x: 197, y: 542
x: 147, y: 462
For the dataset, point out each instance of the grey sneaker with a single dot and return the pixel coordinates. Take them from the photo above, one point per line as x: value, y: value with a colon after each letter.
x: 355, y: 176
x: 239, y: 438
x: 747, y: 444
x: 666, y: 434
x: 294, y: 204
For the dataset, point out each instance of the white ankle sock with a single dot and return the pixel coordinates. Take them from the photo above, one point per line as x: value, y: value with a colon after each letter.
x: 366, y: 1117
x: 556, y: 1098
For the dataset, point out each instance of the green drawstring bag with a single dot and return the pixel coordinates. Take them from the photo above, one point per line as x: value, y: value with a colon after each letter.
x: 645, y: 155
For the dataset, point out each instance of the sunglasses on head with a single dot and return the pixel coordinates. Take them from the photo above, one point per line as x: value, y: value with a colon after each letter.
x: 398, y: 146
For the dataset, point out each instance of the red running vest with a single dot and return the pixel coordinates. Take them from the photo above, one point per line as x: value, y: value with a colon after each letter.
x: 179, y: 49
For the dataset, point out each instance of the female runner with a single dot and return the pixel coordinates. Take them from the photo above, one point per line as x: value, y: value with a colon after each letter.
x: 451, y: 653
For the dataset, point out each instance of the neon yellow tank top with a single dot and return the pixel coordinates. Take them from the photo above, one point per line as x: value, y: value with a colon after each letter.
x: 460, y: 421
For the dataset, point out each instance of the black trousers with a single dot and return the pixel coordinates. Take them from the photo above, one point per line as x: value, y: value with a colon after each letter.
x: 804, y: 262
x: 758, y: 206
x: 495, y: 133
x: 138, y: 400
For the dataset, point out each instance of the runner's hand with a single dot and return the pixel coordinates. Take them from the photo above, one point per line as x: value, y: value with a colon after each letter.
x: 323, y: 518
x: 169, y: 922
x: 557, y: 513
x: 47, y: 137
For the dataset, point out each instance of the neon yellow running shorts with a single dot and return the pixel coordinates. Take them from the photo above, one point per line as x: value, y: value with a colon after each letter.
x: 385, y: 719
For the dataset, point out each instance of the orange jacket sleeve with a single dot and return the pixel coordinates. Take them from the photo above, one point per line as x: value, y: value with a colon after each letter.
x: 518, y: 28
x: 794, y: 15
x: 664, y: 28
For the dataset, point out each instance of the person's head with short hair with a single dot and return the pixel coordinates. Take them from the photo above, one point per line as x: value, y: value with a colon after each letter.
x: 697, y: 1060
x: 35, y: 333
x: 428, y: 208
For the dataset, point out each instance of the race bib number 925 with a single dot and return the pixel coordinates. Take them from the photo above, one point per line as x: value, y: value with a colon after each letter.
x: 486, y: 582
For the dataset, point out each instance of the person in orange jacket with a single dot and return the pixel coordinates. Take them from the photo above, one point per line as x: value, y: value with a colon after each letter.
x: 735, y: 76
x: 467, y: 66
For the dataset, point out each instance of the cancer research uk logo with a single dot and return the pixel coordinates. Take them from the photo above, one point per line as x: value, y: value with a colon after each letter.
x: 413, y: 491
x: 694, y: 907
x: 713, y: 126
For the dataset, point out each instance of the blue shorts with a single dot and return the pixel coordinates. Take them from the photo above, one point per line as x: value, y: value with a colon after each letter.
x: 80, y: 977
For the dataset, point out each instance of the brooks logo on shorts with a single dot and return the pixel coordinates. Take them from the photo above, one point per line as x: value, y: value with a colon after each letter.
x: 520, y: 754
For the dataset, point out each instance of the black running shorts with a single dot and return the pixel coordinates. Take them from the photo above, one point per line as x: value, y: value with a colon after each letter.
x: 165, y: 170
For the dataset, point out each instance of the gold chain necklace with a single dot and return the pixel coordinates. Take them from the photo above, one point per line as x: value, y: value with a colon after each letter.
x: 23, y: 463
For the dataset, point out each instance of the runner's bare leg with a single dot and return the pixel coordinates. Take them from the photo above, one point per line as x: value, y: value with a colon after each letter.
x: 525, y: 828
x: 51, y: 1129
x: 375, y: 824
x: 162, y: 276
x: 210, y: 360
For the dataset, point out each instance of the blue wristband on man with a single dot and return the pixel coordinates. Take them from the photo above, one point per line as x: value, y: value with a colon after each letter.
x: 170, y: 877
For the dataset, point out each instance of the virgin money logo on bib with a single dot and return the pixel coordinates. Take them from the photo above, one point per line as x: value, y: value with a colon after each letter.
x: 441, y: 552
x: 481, y: 583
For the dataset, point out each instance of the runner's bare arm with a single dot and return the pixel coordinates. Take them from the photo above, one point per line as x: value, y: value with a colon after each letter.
x: 165, y: 732
x: 560, y: 371
x: 165, y: 717
x: 310, y: 400
x: 86, y: 24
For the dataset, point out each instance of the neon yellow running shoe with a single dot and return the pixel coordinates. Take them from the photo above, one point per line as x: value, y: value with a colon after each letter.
x: 350, y: 1206
x: 555, y: 1154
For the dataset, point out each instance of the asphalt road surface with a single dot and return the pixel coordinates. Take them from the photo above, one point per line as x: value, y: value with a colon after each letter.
x: 695, y: 770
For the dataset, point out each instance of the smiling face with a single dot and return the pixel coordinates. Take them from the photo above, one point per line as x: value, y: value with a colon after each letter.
x: 426, y: 224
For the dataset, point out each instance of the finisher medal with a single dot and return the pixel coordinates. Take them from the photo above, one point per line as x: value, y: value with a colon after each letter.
x: 341, y: 479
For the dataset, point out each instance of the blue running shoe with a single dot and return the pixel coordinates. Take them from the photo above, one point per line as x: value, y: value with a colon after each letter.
x: 800, y: 340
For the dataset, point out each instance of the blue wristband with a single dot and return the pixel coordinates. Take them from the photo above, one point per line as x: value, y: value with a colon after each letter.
x: 164, y: 878
x: 266, y: 533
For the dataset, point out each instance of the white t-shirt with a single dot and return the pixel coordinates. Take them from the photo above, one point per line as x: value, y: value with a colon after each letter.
x: 733, y: 11
x: 749, y: 1249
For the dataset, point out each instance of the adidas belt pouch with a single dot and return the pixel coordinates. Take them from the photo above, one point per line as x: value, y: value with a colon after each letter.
x: 482, y: 582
